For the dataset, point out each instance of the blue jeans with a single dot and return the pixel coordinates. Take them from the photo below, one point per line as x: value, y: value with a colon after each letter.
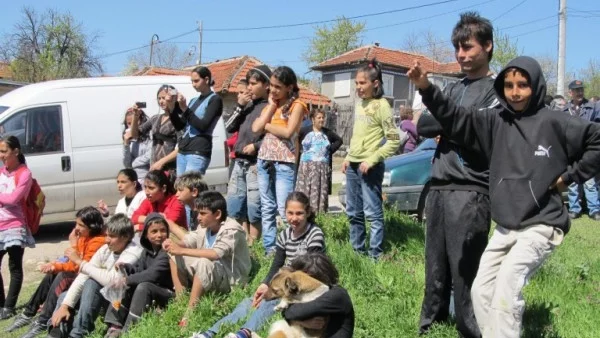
x: 275, y: 183
x: 257, y: 318
x: 191, y: 162
x: 363, y: 198
x: 90, y: 305
x: 243, y: 196
x: 590, y: 190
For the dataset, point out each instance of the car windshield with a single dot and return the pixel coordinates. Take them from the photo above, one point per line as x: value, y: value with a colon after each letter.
x: 3, y: 109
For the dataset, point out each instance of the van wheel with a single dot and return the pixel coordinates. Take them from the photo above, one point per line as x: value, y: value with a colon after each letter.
x: 422, y: 206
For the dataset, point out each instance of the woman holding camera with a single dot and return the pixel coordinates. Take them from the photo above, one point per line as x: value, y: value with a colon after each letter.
x: 136, y: 151
x: 198, y: 120
x: 162, y: 132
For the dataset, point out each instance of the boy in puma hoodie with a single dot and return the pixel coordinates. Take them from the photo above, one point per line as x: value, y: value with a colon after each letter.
x: 148, y: 281
x: 212, y: 258
x: 533, y: 154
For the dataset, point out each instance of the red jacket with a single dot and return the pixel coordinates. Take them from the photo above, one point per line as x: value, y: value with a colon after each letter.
x: 171, y: 207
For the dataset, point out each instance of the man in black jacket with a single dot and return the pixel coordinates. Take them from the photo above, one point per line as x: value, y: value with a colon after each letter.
x: 533, y: 154
x: 243, y: 197
x: 458, y: 210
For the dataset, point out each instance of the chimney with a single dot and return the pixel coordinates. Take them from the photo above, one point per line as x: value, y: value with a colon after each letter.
x: 376, y: 44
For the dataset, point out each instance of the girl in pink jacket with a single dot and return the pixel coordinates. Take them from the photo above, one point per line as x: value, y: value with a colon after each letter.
x: 15, y: 183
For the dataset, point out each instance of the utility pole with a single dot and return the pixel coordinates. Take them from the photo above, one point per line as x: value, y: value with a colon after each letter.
x: 152, y: 42
x: 562, y: 46
x: 199, y: 42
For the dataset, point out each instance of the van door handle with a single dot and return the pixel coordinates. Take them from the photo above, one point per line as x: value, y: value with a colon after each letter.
x: 66, y: 163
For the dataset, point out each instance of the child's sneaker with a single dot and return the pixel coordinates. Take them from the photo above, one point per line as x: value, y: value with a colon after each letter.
x: 113, y: 332
x: 21, y: 321
x: 6, y: 313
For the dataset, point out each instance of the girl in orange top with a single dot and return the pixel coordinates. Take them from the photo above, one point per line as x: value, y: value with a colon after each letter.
x: 86, y: 238
x: 280, y: 122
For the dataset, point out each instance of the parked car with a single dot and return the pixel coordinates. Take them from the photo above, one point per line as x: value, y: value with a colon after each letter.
x: 406, y: 179
x: 70, y: 132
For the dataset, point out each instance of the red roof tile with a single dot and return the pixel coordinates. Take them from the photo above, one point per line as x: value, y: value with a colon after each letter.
x: 5, y: 72
x: 388, y: 57
x: 228, y: 73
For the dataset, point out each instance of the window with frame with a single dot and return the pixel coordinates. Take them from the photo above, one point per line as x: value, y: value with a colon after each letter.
x: 388, y: 85
x: 39, y: 129
x: 341, y: 87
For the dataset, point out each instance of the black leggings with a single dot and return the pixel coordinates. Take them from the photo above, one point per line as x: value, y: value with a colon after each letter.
x: 15, y: 266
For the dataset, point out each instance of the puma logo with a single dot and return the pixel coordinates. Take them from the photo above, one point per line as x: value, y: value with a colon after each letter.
x: 542, y: 151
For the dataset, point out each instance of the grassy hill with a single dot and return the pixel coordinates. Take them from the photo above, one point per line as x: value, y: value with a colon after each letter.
x: 563, y: 299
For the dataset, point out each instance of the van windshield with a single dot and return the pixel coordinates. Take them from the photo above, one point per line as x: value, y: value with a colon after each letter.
x: 2, y: 109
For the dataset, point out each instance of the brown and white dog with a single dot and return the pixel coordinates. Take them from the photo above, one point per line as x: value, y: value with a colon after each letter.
x: 293, y: 287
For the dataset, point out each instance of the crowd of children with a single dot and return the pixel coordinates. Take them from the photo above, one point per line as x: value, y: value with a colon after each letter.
x: 169, y: 234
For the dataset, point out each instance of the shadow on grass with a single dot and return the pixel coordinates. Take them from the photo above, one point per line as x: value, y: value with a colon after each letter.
x: 537, y: 321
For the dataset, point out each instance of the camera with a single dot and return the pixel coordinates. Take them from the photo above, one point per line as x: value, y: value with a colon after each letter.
x: 141, y: 104
x: 173, y: 92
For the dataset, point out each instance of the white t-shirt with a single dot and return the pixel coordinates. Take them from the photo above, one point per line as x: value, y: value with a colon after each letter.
x: 137, y: 200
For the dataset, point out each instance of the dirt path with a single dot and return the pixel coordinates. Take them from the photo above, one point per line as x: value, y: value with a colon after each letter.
x: 50, y: 243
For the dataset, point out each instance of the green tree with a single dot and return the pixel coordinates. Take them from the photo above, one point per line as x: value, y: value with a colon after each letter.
x: 49, y: 46
x: 328, y: 42
x: 505, y: 49
x: 591, y: 78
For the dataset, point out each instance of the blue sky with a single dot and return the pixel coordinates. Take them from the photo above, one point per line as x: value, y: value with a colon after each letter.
x: 129, y: 24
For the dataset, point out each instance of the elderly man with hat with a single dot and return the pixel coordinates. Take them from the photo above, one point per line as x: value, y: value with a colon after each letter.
x: 585, y: 109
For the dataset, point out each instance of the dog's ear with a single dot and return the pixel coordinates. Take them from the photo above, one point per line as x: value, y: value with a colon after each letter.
x: 291, y: 286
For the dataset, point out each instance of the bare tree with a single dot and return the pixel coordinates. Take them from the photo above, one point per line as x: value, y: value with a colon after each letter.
x: 427, y: 43
x: 166, y: 55
x: 505, y: 49
x: 591, y: 78
x: 50, y: 46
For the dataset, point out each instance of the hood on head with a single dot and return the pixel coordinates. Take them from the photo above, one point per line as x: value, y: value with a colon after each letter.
x: 153, y: 216
x: 538, y: 84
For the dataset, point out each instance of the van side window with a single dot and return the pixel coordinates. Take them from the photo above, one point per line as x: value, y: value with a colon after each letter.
x: 39, y: 129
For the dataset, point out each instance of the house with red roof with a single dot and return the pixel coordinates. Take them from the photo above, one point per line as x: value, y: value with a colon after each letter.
x: 338, y: 74
x: 227, y: 74
x: 6, y: 79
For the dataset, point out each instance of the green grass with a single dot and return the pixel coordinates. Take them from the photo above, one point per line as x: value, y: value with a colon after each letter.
x: 563, y: 298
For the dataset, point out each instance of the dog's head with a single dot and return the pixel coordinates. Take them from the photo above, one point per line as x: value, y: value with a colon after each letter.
x: 287, y: 284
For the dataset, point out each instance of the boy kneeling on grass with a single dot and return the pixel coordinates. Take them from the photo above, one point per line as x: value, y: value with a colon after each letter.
x: 534, y: 154
x: 148, y: 281
x: 93, y: 275
x: 212, y: 258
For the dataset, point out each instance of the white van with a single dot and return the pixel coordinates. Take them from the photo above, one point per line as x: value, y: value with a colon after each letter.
x: 70, y: 132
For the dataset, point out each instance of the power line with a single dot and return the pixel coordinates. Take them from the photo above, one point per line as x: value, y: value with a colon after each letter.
x: 147, y: 45
x: 428, y: 17
x: 509, y: 10
x: 528, y: 22
x: 331, y: 20
x: 246, y: 41
x: 534, y: 31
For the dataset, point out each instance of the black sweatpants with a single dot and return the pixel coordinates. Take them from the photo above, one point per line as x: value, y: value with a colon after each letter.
x: 47, y: 293
x: 15, y: 267
x: 458, y: 223
x: 136, y: 302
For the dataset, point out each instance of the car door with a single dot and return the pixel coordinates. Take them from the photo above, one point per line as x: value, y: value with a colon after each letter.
x: 43, y: 134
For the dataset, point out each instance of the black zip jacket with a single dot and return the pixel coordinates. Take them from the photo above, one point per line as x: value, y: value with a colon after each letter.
x: 335, y: 304
x: 201, y: 144
x: 153, y: 266
x: 527, y: 151
x: 455, y: 167
x: 241, y: 121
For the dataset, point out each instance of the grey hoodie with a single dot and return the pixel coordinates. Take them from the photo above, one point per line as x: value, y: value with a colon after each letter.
x: 231, y: 247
